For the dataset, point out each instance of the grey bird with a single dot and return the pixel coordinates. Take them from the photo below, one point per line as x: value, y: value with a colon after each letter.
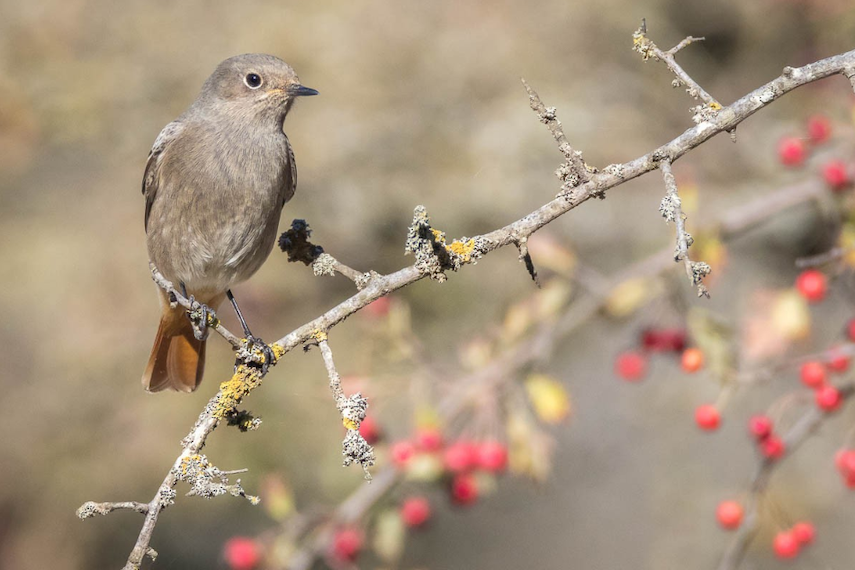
x: 215, y: 183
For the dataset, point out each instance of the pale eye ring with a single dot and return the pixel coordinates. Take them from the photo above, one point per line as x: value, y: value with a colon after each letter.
x: 252, y: 80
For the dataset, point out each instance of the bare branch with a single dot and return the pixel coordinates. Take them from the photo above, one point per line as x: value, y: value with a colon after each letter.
x: 91, y: 508
x: 574, y: 171
x: 645, y: 46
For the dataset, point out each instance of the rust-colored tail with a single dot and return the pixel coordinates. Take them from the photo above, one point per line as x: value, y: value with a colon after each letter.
x: 177, y: 359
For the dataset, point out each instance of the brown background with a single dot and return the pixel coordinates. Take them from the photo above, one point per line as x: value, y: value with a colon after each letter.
x: 420, y: 104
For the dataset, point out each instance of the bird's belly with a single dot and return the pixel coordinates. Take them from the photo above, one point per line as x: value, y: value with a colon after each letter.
x: 212, y: 253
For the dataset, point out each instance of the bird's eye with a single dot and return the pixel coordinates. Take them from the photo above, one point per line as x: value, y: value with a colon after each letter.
x: 252, y: 80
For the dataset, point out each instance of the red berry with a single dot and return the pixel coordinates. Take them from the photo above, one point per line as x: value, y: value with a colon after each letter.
x: 429, y: 439
x: 347, y: 544
x: 241, y: 553
x: 664, y: 340
x: 402, y: 452
x: 791, y: 151
x: 415, y: 511
x: 692, y: 360
x: 492, y: 456
x: 378, y: 308
x: 729, y: 514
x: 773, y: 447
x: 812, y: 285
x: 707, y: 417
x: 460, y: 456
x: 835, y: 174
x: 804, y: 533
x: 760, y: 426
x: 828, y: 398
x: 786, y: 545
x: 845, y: 462
x: 813, y: 374
x: 369, y: 430
x: 819, y: 129
x: 631, y: 366
x: 838, y: 360
x: 464, y: 489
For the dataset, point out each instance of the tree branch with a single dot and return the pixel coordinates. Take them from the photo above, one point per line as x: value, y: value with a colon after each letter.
x: 249, y: 375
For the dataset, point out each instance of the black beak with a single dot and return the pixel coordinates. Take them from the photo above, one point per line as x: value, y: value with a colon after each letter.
x: 301, y: 91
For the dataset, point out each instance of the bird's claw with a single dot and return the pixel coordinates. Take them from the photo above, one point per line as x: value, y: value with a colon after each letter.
x: 201, y: 316
x: 256, y: 351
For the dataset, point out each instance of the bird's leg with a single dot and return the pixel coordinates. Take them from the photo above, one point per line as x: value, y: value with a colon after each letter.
x: 199, y: 314
x: 251, y: 340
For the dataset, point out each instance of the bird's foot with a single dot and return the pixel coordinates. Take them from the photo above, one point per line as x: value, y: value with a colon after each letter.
x: 256, y: 352
x: 202, y: 316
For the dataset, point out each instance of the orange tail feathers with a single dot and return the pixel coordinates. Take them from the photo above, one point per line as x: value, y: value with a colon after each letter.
x: 177, y: 359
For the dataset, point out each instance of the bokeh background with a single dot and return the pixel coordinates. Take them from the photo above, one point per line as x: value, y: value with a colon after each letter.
x: 420, y: 103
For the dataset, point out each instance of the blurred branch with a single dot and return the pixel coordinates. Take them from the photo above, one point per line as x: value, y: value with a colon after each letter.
x: 507, y: 364
x: 434, y: 256
x: 806, y: 425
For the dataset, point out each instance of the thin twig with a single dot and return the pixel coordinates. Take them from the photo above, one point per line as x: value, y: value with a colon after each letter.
x: 575, y: 170
x: 672, y: 210
x: 648, y: 49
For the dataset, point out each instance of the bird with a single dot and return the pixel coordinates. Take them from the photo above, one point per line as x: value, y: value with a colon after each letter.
x: 215, y: 183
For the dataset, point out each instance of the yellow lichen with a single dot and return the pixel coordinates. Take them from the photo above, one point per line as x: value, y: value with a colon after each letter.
x: 463, y: 249
x: 715, y: 106
x: 319, y: 335
x: 350, y: 424
x: 233, y: 390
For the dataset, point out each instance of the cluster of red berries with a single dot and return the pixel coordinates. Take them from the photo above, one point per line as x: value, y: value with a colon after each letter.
x: 793, y: 151
x: 459, y: 460
x: 631, y: 365
x: 786, y: 543
x: 814, y: 375
x: 768, y: 442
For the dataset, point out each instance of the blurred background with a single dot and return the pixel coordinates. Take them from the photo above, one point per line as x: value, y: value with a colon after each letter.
x: 420, y: 103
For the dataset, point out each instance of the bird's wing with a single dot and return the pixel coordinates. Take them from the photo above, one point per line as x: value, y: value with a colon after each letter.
x: 151, y: 178
x: 290, y: 182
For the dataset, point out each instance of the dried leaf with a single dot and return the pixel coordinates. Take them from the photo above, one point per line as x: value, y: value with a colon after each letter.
x: 389, y: 534
x: 549, y: 399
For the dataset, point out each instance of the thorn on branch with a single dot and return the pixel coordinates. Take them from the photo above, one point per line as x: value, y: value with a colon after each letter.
x: 295, y: 242
x: 525, y: 257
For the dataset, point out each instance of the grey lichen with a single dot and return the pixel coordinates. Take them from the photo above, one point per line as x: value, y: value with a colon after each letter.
x: 324, y: 265
x: 207, y: 480
x: 669, y: 207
